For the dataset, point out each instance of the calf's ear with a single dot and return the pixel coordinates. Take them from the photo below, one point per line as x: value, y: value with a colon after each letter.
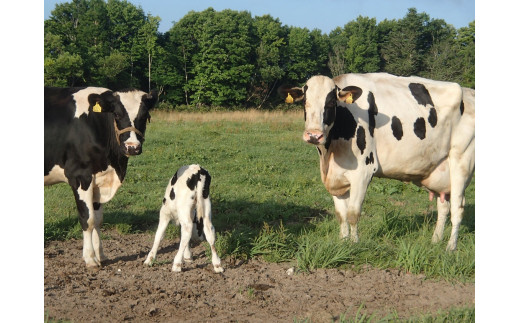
x: 290, y: 94
x: 349, y: 94
x: 102, y: 103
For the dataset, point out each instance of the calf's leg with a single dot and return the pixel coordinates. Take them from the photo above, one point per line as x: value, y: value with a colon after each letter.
x: 164, y: 219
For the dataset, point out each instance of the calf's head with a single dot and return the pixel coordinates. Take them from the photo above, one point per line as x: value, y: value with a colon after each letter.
x: 130, y: 109
x: 320, y: 96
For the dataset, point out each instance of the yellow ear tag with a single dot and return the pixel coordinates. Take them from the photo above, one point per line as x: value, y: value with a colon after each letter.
x: 289, y: 98
x: 349, y: 98
x: 96, y: 108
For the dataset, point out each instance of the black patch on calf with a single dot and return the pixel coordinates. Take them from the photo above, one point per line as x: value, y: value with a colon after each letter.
x: 461, y: 107
x: 329, y: 111
x: 174, y: 179
x: 432, y: 118
x: 360, y: 139
x: 419, y: 127
x: 97, y: 206
x: 370, y: 159
x: 207, y: 183
x: 172, y: 194
x: 397, y: 128
x: 192, y: 181
x: 164, y: 200
x: 421, y: 94
x: 372, y: 112
x: 344, y: 126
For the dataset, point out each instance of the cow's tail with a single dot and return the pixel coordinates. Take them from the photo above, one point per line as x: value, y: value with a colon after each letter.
x: 203, y: 193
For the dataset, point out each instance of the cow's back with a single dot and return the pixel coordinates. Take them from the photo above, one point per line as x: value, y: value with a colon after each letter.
x: 413, y: 120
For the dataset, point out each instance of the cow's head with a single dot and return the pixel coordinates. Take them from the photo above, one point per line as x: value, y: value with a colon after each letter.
x: 130, y: 109
x: 320, y: 96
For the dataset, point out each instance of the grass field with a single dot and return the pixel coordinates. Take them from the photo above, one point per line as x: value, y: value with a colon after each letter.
x: 268, y: 199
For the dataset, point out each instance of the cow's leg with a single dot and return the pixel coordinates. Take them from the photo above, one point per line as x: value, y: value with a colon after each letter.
x: 341, y: 207
x: 209, y: 232
x: 186, y: 223
x: 164, y: 220
x: 96, y: 233
x: 358, y: 190
x: 443, y: 208
x: 461, y: 172
x: 87, y: 219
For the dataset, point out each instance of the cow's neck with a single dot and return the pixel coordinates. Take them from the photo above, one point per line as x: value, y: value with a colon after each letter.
x: 332, y: 177
x: 107, y: 138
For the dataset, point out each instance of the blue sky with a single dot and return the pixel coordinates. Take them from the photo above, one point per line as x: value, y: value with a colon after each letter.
x: 324, y: 14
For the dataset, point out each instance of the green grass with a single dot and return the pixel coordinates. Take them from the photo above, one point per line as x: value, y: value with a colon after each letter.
x: 269, y: 202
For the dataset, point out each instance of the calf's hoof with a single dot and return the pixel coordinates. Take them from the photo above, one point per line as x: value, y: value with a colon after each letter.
x: 218, y: 268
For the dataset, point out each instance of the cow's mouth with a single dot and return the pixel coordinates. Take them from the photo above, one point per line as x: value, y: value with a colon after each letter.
x: 314, y: 137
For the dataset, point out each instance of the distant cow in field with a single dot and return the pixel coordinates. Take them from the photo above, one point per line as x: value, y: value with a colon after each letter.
x: 89, y: 134
x: 405, y: 128
x: 186, y: 201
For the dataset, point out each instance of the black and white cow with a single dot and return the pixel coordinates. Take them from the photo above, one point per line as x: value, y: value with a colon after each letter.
x: 89, y: 134
x: 405, y: 128
x: 186, y: 201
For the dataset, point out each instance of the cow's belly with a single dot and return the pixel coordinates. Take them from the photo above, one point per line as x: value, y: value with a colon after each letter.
x: 439, y: 180
x: 106, y: 184
x: 56, y: 175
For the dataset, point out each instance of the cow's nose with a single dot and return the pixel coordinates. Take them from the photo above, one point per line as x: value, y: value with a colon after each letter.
x: 313, y: 137
x: 133, y: 148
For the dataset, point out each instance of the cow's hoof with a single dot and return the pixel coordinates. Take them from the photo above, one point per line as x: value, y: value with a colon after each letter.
x: 176, y: 268
x: 188, y: 260
x: 218, y: 268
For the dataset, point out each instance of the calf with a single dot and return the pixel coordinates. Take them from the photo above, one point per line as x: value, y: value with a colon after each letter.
x: 186, y: 201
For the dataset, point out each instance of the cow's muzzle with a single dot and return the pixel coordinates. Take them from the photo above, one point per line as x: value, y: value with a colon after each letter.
x: 131, y: 148
x: 314, y: 137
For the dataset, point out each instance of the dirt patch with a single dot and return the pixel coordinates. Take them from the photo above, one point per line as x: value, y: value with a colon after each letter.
x: 253, y: 291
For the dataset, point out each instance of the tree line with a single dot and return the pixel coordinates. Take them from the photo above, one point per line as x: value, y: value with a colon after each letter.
x: 229, y: 58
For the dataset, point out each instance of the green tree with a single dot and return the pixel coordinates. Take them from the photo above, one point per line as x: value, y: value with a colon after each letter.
x: 300, y: 65
x: 269, y: 35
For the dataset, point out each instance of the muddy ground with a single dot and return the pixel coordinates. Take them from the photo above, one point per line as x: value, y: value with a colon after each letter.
x: 253, y: 291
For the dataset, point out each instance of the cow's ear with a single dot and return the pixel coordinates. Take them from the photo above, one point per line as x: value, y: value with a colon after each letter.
x: 290, y: 94
x: 349, y: 94
x: 102, y: 103
x: 150, y: 99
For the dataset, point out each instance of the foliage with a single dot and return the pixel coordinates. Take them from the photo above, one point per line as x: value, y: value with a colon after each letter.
x: 229, y: 58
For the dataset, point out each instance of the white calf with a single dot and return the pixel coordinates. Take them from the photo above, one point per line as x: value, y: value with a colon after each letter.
x: 186, y: 201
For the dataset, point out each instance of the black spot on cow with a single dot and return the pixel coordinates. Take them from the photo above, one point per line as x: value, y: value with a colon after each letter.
x: 82, y: 211
x: 461, y: 107
x: 397, y: 128
x: 419, y: 127
x: 207, y: 183
x: 360, y: 139
x: 421, y: 94
x: 192, y: 181
x: 319, y: 151
x: 174, y: 179
x: 432, y: 118
x: 344, y: 126
x: 372, y: 112
x: 329, y: 112
x: 164, y: 199
x: 172, y: 194
x: 370, y: 159
x: 96, y: 205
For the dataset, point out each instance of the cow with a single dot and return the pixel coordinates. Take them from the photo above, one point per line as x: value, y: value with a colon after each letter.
x: 407, y: 128
x: 89, y: 133
x: 186, y: 201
